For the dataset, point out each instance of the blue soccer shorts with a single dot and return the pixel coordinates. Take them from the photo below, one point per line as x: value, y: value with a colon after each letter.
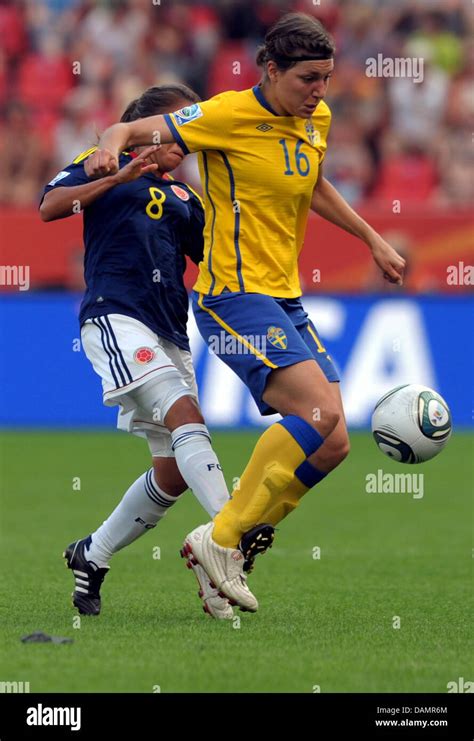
x: 255, y: 334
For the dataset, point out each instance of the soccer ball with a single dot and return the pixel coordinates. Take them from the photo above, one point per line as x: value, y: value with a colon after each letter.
x: 411, y: 423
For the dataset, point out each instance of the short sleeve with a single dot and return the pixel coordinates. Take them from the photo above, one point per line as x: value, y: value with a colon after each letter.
x: 202, y: 126
x: 73, y: 174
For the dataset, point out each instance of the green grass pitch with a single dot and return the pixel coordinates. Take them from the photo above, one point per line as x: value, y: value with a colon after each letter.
x: 323, y: 622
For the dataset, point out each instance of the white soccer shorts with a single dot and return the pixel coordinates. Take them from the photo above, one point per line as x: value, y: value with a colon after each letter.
x: 125, y: 353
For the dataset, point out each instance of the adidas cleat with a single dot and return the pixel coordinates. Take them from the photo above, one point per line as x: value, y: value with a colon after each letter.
x: 88, y: 578
x: 223, y: 566
x: 257, y: 540
x: 214, y: 604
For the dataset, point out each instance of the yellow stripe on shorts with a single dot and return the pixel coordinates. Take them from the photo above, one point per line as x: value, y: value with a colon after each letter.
x: 316, y: 339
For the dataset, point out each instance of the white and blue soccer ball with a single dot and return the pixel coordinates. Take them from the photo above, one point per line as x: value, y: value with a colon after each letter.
x: 411, y: 423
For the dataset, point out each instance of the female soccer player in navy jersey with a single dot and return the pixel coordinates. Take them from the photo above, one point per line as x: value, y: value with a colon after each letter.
x: 138, y: 226
x: 262, y: 153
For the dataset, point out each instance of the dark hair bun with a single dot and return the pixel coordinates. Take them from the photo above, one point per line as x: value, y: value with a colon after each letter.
x: 261, y: 56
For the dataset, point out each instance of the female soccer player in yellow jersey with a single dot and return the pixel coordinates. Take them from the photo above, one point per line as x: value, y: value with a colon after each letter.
x: 261, y: 167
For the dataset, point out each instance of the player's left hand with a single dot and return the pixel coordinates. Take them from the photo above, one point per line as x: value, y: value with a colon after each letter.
x: 389, y: 261
x: 137, y: 167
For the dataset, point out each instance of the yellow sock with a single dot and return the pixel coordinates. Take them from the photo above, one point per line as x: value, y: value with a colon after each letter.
x: 286, y: 502
x: 281, y: 449
x: 306, y: 476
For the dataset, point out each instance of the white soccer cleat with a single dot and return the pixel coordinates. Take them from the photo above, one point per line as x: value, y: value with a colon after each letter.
x: 223, y: 566
x: 216, y: 606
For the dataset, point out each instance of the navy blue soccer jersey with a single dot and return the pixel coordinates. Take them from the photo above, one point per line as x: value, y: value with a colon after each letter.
x: 136, y: 237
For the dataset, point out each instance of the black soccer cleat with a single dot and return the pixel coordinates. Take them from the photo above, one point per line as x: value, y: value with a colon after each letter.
x: 257, y: 540
x: 88, y: 578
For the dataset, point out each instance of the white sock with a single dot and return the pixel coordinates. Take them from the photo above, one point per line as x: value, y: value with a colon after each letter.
x: 143, y: 505
x: 199, y: 466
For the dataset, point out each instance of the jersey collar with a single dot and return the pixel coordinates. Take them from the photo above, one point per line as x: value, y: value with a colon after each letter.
x: 257, y: 91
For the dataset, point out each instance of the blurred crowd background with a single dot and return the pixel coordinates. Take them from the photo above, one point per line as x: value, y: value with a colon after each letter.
x: 69, y: 67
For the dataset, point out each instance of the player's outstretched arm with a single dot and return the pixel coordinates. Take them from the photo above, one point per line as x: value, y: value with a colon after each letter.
x: 119, y: 137
x: 328, y: 203
x: 62, y: 202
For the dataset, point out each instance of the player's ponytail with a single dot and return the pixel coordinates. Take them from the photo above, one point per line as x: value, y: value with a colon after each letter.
x: 294, y: 36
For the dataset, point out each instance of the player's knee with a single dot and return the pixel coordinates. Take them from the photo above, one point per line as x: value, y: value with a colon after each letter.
x: 343, y: 450
x: 184, y: 411
x: 334, y: 417
x: 325, y: 419
x: 166, y: 397
x: 336, y: 451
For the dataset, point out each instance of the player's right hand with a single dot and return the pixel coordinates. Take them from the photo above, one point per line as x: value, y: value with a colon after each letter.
x: 389, y: 261
x: 101, y: 163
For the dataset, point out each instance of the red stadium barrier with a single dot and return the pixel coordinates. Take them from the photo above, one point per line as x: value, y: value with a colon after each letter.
x: 438, y: 247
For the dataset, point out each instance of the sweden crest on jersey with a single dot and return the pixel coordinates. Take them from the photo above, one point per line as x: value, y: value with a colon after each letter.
x: 311, y: 132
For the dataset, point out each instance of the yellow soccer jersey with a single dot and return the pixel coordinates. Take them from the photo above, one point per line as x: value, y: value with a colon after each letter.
x: 258, y: 171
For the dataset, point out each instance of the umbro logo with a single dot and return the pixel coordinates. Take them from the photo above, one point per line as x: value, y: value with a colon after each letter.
x: 264, y: 127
